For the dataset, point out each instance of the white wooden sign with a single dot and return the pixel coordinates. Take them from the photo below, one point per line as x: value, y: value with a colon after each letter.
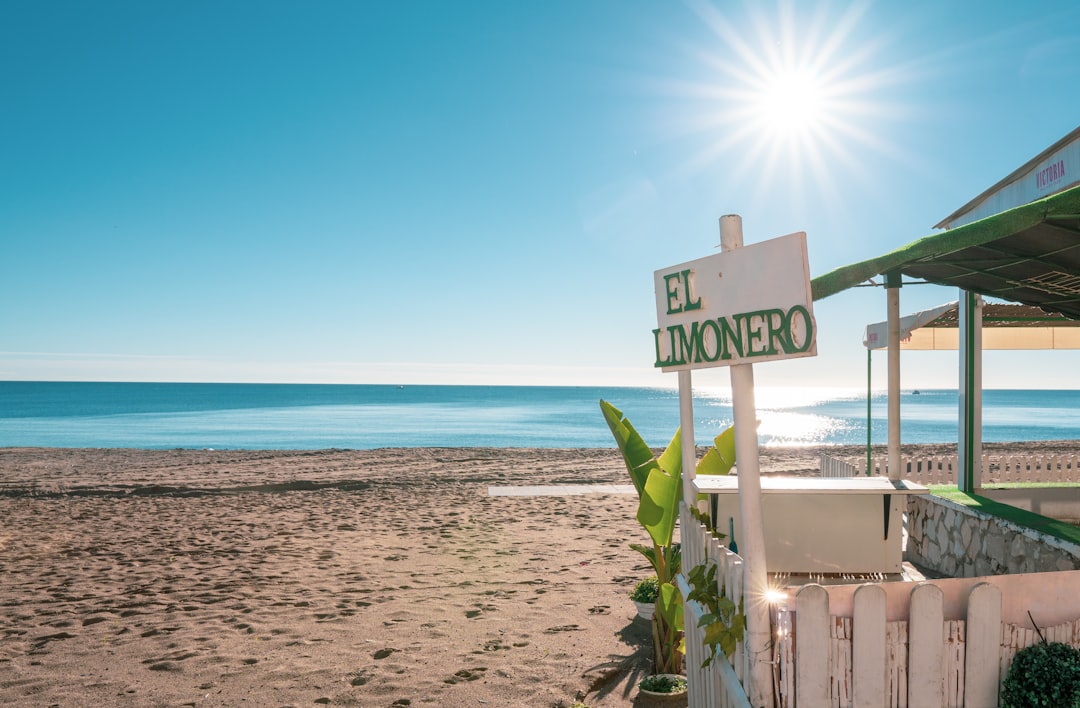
x: 747, y: 305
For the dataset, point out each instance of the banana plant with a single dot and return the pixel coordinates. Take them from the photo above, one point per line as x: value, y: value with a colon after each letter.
x: 658, y: 481
x: 718, y: 460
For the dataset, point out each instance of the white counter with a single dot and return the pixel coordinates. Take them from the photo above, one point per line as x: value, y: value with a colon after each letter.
x: 821, y: 525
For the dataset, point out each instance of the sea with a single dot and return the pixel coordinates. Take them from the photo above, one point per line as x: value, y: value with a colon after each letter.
x: 309, y: 416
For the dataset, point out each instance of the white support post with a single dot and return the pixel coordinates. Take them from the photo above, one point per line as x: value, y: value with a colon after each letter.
x: 892, y: 285
x: 752, y: 544
x: 686, y: 427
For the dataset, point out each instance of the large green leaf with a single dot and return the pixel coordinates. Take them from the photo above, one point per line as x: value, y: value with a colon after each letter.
x: 658, y: 481
x: 650, y: 553
x: 658, y: 508
x: 670, y: 606
x: 671, y: 458
x: 720, y: 458
x: 637, y: 455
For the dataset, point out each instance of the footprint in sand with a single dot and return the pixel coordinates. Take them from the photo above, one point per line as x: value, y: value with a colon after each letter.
x: 359, y: 678
x: 466, y: 675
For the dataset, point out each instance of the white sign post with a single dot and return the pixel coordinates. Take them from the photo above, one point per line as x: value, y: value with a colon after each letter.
x: 742, y: 305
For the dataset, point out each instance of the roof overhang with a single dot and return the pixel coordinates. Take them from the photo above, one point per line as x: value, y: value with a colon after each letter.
x: 1053, y: 170
x: 1004, y: 326
x: 1030, y: 255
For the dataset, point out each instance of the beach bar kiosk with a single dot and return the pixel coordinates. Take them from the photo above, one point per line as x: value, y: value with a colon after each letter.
x: 823, y: 526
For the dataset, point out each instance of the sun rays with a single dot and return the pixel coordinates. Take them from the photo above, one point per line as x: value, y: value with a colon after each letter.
x: 786, y: 97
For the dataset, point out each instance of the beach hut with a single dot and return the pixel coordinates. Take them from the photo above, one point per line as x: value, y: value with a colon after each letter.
x: 1017, y: 241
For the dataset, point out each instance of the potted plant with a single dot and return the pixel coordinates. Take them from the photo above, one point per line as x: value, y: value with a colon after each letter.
x: 644, y: 596
x: 659, y: 685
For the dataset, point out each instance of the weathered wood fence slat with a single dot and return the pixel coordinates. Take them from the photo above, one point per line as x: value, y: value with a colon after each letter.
x: 923, y: 662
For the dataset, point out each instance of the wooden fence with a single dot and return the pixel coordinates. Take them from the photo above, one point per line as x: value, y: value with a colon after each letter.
x: 720, y: 684
x: 941, y: 469
x: 922, y: 662
x: 833, y: 467
x: 884, y: 645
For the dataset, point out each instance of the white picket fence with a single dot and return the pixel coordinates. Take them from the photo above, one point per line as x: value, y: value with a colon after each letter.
x: 720, y: 684
x: 863, y: 655
x: 941, y: 469
x: 922, y: 662
x: 1039, y: 468
x: 833, y: 467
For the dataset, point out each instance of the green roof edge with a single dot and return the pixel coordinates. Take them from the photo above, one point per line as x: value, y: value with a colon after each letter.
x: 978, y: 232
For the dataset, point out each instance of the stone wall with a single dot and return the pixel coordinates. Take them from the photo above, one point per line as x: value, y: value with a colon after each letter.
x: 960, y: 542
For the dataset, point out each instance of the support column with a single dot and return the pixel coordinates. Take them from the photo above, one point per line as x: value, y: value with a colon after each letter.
x: 686, y: 428
x: 869, y: 413
x: 758, y: 636
x: 892, y: 285
x: 969, y: 474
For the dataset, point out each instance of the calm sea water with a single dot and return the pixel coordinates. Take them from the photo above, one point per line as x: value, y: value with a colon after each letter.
x: 284, y: 416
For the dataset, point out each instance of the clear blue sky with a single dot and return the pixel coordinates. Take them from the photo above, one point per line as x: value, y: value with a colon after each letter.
x: 479, y: 192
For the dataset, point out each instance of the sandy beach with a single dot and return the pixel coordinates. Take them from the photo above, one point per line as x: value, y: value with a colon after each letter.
x: 361, y: 578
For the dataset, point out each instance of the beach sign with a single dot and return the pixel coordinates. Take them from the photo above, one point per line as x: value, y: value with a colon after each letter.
x: 743, y: 306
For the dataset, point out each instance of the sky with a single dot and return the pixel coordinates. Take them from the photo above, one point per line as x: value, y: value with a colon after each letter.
x: 479, y: 192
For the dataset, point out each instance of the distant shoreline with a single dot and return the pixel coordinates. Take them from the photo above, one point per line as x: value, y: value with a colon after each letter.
x: 86, y: 467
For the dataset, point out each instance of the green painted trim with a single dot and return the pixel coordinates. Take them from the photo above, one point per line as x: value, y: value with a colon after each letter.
x: 969, y: 388
x: 1038, y: 522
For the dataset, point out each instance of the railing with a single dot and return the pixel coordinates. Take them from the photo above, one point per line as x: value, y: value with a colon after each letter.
x: 718, y: 685
x: 942, y: 469
x: 1033, y: 468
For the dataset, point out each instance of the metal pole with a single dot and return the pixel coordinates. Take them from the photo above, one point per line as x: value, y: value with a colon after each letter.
x: 758, y: 637
x: 970, y: 437
x: 892, y: 285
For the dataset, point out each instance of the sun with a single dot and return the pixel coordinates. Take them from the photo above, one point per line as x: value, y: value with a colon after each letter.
x: 791, y: 104
x: 794, y: 99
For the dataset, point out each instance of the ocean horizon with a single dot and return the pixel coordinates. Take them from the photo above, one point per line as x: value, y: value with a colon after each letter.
x: 366, y: 416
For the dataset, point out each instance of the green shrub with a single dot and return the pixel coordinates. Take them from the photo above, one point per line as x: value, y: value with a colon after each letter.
x: 663, y: 683
x: 1043, y: 676
x: 646, y: 590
